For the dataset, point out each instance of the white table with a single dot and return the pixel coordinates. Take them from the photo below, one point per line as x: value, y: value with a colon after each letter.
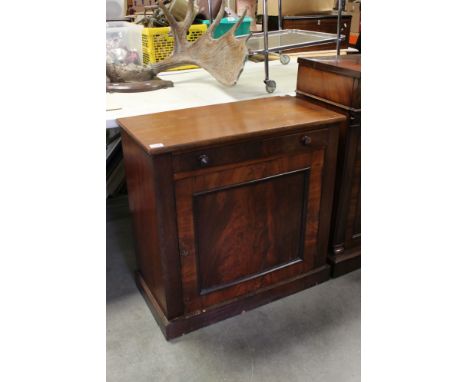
x: 197, y: 88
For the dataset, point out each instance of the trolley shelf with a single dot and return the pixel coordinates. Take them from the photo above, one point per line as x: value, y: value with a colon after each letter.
x: 284, y: 39
x: 289, y: 39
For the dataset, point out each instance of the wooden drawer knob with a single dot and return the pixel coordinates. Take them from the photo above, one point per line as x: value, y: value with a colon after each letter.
x: 203, y: 160
x: 306, y: 140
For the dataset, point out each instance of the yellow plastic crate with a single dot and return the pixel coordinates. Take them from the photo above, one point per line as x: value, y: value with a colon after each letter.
x: 158, y: 43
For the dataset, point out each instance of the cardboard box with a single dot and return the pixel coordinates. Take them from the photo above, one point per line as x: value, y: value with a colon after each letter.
x: 353, y: 7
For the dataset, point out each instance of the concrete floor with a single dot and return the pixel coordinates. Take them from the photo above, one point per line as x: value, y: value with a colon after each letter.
x: 313, y: 335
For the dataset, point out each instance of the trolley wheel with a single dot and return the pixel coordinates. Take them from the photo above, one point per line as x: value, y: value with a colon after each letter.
x: 270, y: 86
x: 285, y: 59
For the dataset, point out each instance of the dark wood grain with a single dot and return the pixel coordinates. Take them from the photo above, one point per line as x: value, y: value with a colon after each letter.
x: 353, y: 222
x: 188, y: 163
x: 188, y: 188
x: 346, y: 262
x: 348, y: 65
x: 326, y: 86
x: 167, y: 229
x: 152, y: 204
x: 334, y: 83
x: 225, y: 223
x: 263, y: 228
x: 186, y: 324
x: 141, y: 190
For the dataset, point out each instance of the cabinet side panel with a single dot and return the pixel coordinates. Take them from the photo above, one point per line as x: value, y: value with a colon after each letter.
x: 142, y: 200
x: 167, y: 232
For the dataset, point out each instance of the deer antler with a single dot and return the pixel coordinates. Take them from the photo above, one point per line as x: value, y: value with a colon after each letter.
x: 224, y: 58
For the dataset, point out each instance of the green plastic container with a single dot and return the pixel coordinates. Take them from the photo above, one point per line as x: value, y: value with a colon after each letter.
x: 227, y: 23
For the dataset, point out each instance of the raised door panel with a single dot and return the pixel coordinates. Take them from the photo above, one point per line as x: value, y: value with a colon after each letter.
x: 248, y: 227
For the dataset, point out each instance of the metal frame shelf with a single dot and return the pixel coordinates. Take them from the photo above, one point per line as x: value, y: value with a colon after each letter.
x: 293, y: 39
x: 285, y: 39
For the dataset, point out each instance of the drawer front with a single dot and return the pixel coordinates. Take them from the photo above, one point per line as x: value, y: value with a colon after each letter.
x: 212, y: 157
x: 253, y: 225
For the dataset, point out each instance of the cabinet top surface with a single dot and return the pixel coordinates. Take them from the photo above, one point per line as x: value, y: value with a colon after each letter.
x: 189, y: 128
x: 349, y: 65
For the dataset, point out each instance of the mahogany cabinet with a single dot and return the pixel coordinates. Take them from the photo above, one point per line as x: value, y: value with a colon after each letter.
x: 336, y: 84
x: 231, y: 205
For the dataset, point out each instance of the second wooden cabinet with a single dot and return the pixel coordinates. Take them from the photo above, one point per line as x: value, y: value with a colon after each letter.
x: 335, y: 83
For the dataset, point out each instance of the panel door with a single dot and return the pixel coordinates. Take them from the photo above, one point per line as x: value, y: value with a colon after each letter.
x: 248, y: 226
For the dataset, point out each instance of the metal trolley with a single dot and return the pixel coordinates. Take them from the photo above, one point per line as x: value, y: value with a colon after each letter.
x: 284, y: 39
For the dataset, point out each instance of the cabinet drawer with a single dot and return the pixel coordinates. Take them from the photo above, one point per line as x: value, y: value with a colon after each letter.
x: 249, y: 150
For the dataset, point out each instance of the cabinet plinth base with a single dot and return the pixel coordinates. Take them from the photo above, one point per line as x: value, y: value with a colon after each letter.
x: 345, y: 262
x: 185, y: 324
